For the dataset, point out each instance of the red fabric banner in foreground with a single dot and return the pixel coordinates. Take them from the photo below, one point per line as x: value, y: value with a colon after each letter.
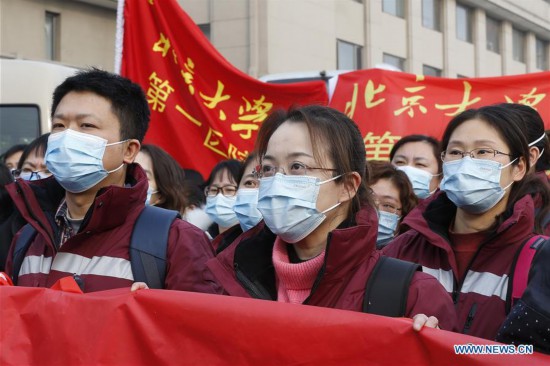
x: 388, y: 105
x: 203, y: 109
x: 153, y: 327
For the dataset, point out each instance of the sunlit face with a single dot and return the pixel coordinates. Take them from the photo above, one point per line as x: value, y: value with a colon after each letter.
x: 291, y: 143
x: 13, y: 159
x: 475, y: 134
x: 90, y: 113
x: 386, y: 196
x: 420, y: 155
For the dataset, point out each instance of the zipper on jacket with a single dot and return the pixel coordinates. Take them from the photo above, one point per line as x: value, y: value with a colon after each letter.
x: 250, y: 287
x: 461, y: 281
x: 470, y: 319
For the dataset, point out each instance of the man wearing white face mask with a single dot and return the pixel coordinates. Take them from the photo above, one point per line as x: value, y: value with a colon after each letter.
x: 83, y: 216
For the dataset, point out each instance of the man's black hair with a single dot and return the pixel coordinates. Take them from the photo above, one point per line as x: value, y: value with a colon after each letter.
x: 128, y: 100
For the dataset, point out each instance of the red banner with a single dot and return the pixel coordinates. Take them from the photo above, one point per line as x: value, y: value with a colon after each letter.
x: 153, y: 327
x: 388, y: 105
x: 203, y: 109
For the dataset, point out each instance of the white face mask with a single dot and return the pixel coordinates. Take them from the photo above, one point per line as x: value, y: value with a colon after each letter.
x: 288, y: 204
x: 420, y: 180
x: 150, y: 193
x: 220, y: 210
x: 246, y: 208
x: 76, y: 159
x: 387, y: 224
x: 474, y: 184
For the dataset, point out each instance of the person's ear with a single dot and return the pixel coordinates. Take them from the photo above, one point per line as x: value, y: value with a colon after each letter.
x: 534, y: 154
x: 349, y: 189
x: 519, y: 170
x: 131, y: 149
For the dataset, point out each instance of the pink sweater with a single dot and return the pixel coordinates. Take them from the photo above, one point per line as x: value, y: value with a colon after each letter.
x: 294, y: 280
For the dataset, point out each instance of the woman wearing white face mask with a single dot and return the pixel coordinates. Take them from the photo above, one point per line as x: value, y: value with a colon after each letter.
x: 246, y: 204
x: 221, y: 194
x: 394, y: 198
x: 468, y: 234
x: 417, y: 156
x: 318, y: 244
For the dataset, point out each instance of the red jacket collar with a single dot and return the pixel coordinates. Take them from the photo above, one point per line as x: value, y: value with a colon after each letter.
x: 110, y: 208
x: 432, y: 218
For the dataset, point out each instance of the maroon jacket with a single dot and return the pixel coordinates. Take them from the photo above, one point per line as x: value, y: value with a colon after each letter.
x: 480, y: 296
x: 245, y: 269
x: 99, y: 252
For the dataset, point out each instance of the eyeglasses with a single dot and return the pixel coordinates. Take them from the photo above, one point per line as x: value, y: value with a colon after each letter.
x: 30, y: 175
x: 388, y: 207
x: 227, y: 191
x: 481, y: 154
x: 294, y: 168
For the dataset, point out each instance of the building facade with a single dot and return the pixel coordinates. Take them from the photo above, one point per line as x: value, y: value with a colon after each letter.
x: 449, y: 38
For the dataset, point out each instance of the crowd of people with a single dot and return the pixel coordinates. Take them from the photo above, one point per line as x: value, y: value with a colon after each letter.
x: 304, y: 219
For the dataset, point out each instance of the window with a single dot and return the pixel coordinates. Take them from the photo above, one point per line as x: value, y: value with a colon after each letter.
x: 493, y: 34
x: 394, y: 7
x: 431, y: 14
x: 394, y: 61
x: 542, y: 54
x: 205, y: 28
x: 431, y: 71
x: 51, y: 28
x: 463, y: 23
x: 349, y: 55
x: 26, y: 129
x: 518, y: 45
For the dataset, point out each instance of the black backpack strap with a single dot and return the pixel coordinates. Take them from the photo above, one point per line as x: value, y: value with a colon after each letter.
x: 21, y: 247
x: 388, y: 287
x: 149, y: 243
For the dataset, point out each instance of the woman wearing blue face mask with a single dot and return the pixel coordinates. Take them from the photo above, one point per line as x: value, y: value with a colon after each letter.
x: 221, y: 195
x: 246, y: 204
x: 417, y: 156
x: 468, y: 234
x: 317, y: 245
x: 165, y: 177
x: 394, y: 199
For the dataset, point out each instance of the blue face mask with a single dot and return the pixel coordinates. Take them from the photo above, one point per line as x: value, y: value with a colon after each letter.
x: 150, y: 193
x: 246, y: 208
x: 387, y: 225
x: 473, y: 185
x: 420, y: 180
x: 220, y: 209
x: 289, y: 205
x: 76, y: 159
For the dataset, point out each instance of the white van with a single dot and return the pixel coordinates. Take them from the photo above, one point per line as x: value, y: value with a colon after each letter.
x: 26, y: 89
